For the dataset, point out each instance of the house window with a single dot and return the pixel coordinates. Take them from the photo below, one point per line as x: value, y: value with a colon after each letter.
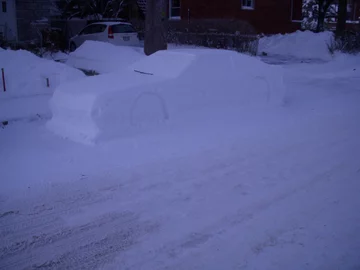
x: 174, y: 9
x: 248, y: 4
x: 3, y: 4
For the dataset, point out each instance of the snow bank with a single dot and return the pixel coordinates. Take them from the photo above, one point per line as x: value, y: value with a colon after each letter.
x: 26, y: 75
x: 299, y: 44
x: 58, y: 56
x: 164, y: 64
x: 103, y: 57
x: 176, y: 86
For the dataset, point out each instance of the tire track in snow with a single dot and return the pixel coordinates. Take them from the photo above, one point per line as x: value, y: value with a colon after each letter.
x: 324, y: 165
x: 39, y: 215
x: 197, y: 180
x: 28, y: 234
x: 87, y: 246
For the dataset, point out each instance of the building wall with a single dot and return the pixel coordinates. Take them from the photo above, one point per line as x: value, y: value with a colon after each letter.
x: 28, y: 11
x: 268, y: 16
x: 8, y: 21
x: 356, y: 10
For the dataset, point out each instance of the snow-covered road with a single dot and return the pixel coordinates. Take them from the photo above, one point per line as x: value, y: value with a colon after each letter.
x: 275, y: 189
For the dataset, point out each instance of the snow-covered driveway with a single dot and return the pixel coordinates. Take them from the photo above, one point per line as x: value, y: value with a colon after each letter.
x: 262, y: 189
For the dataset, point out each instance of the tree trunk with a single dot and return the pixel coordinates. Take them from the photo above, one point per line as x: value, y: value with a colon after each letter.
x: 341, y: 20
x: 320, y: 23
x: 155, y: 33
x: 323, y: 8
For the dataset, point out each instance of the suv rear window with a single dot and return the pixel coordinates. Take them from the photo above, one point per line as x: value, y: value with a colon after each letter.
x: 93, y: 29
x: 123, y: 28
x: 100, y: 28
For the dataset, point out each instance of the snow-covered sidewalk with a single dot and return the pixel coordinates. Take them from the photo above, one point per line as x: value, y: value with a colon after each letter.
x: 251, y: 189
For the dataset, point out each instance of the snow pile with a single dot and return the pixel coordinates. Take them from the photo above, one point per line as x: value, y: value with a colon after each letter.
x: 178, y: 86
x: 57, y: 56
x: 26, y: 74
x: 30, y: 82
x: 164, y: 64
x: 307, y: 45
x: 103, y: 57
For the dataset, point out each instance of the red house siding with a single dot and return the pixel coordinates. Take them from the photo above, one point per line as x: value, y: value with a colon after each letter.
x: 355, y: 10
x: 268, y: 16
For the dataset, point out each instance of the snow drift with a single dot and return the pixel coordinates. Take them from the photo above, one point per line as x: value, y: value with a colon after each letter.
x: 27, y: 90
x: 299, y: 44
x: 178, y: 86
x: 26, y: 74
x: 103, y: 57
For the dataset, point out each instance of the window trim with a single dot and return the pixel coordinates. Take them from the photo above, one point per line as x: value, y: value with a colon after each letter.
x: 248, y: 7
x: 170, y: 9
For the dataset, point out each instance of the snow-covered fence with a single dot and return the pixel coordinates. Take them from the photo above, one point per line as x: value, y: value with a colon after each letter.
x: 69, y: 28
x: 220, y: 33
x: 241, y: 43
x: 3, y: 31
x: 223, y: 34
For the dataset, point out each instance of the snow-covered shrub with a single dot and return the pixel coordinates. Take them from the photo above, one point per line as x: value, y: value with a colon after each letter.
x: 311, y: 15
x: 300, y: 44
x: 348, y: 43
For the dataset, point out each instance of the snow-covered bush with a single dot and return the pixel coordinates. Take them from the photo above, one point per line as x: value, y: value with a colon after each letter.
x: 311, y: 15
x: 348, y: 43
x: 300, y: 44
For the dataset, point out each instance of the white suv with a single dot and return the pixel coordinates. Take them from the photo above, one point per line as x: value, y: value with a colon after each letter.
x: 117, y: 33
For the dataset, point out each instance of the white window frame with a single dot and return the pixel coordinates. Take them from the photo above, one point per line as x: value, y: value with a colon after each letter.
x: 246, y: 7
x: 170, y: 11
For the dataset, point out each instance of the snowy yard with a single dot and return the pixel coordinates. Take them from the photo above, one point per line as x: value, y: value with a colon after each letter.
x: 249, y: 187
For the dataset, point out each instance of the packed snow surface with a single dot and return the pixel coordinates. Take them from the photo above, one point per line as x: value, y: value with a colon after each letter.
x: 30, y: 82
x: 103, y: 57
x: 167, y: 87
x: 251, y: 187
x: 303, y: 45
